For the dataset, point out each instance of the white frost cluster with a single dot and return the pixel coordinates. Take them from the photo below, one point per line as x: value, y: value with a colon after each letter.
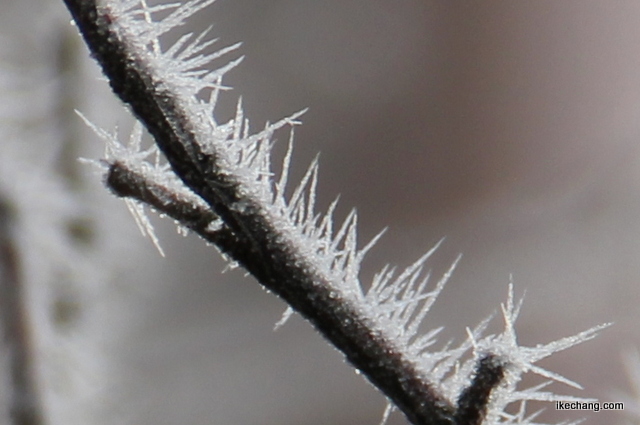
x: 522, y: 360
x: 395, y: 303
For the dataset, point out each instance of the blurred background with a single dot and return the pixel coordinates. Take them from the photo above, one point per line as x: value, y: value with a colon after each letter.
x: 512, y: 129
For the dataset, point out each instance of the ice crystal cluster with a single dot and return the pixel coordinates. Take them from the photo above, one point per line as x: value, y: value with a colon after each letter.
x: 223, y: 171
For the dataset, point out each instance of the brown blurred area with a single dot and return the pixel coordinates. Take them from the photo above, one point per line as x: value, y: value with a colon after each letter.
x: 509, y: 127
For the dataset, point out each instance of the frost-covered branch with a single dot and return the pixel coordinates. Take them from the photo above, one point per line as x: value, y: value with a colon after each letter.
x: 263, y: 250
x: 218, y: 182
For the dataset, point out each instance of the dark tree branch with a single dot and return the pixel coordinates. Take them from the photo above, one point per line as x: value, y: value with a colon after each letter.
x: 247, y: 236
x: 25, y: 407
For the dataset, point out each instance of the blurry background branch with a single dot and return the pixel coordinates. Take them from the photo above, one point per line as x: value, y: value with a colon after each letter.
x: 25, y: 406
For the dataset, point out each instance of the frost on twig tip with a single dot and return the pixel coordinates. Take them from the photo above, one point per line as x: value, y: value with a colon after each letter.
x: 520, y: 360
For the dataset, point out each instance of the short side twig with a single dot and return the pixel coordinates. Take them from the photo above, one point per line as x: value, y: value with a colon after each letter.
x: 126, y: 182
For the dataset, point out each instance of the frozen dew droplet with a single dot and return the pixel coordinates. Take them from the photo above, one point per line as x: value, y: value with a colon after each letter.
x: 214, y: 225
x: 183, y: 231
x: 284, y: 319
x: 240, y: 206
x: 231, y: 265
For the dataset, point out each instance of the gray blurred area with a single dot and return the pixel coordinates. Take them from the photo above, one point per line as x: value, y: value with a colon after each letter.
x: 510, y: 128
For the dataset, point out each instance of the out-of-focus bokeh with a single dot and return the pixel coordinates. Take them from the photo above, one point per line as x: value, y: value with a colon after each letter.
x: 510, y: 128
